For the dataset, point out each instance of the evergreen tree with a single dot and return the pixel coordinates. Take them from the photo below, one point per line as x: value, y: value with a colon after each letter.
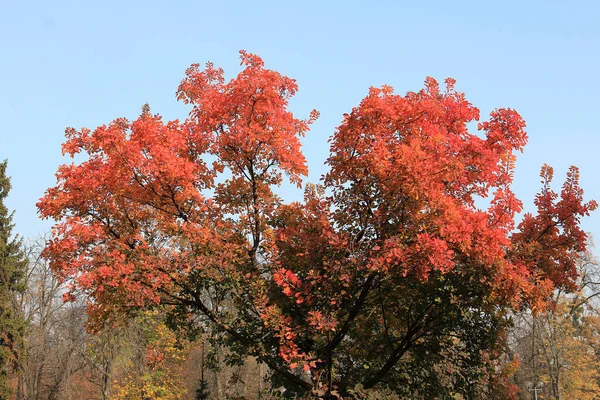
x: 12, y: 265
x: 202, y: 392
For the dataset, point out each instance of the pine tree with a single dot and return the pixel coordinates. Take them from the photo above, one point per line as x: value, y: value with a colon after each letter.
x: 12, y: 265
x: 202, y: 392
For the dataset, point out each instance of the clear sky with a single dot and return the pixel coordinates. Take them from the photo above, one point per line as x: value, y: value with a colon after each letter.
x: 84, y: 63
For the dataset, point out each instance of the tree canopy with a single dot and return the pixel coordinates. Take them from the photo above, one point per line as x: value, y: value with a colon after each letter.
x: 396, y: 273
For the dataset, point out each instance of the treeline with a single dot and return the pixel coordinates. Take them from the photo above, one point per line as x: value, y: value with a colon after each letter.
x: 556, y: 352
x: 56, y: 356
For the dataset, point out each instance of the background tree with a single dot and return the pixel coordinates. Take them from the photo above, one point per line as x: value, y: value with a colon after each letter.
x: 54, y: 334
x: 390, y: 277
x: 158, y: 373
x: 558, y: 348
x: 107, y: 350
x: 12, y: 265
x: 58, y: 359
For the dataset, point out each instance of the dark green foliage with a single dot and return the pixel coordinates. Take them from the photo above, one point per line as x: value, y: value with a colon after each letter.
x: 202, y: 392
x: 12, y: 265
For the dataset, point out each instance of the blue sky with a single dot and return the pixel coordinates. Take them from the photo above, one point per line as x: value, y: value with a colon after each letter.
x: 85, y: 63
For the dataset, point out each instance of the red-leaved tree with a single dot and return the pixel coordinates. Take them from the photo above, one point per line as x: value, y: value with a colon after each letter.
x: 389, y: 276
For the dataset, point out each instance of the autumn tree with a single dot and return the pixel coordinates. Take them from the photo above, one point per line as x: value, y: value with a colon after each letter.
x: 158, y: 374
x: 12, y: 265
x: 390, y: 276
x: 558, y: 348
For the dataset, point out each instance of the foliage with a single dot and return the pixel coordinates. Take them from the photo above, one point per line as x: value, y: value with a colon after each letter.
x: 12, y: 266
x: 160, y: 374
x: 391, y: 275
x: 559, y: 346
x: 202, y: 392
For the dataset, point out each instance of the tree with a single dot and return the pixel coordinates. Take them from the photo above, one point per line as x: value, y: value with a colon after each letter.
x: 159, y: 374
x: 12, y: 265
x: 558, y: 347
x: 51, y: 360
x: 53, y: 338
x: 202, y: 392
x: 102, y: 355
x: 390, y: 276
